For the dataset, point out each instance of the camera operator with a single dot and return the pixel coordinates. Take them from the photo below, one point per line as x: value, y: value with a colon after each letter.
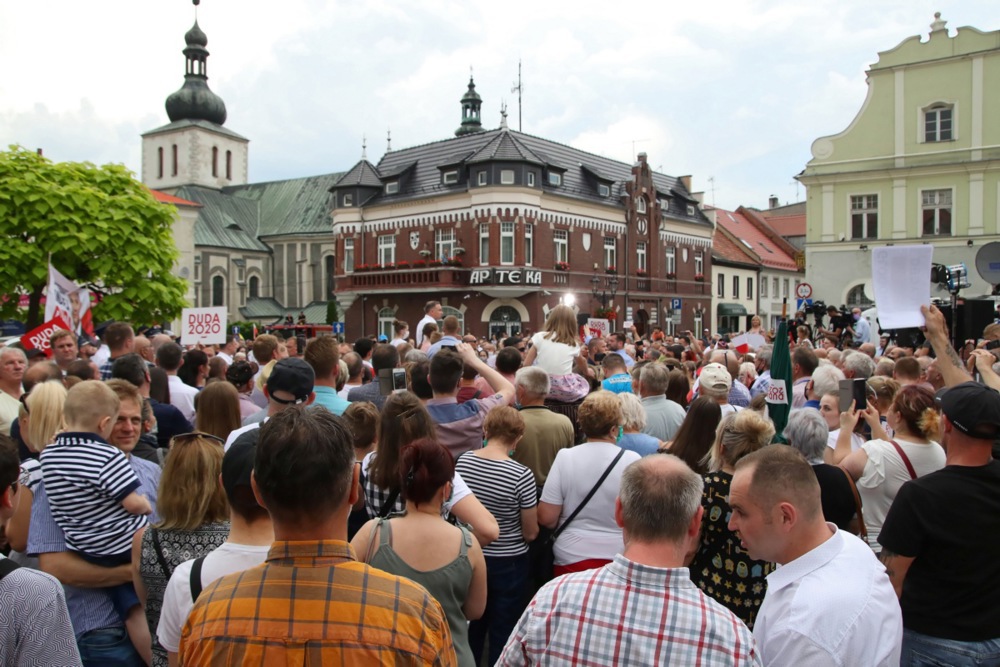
x: 837, y: 324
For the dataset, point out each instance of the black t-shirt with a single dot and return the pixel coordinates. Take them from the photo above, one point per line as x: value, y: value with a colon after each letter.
x: 949, y: 522
x: 836, y: 495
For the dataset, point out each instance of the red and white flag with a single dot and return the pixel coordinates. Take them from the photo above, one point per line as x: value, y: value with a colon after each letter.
x: 741, y: 344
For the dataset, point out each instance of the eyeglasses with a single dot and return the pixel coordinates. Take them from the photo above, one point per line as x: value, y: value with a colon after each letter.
x: 24, y: 401
x: 194, y: 435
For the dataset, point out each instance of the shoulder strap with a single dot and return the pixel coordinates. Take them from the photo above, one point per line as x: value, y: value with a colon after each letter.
x: 196, y: 578
x: 906, y: 459
x: 862, y: 528
x: 579, y: 508
x: 371, y: 539
x: 6, y: 567
x: 389, y: 505
x: 466, y: 540
x: 160, y: 558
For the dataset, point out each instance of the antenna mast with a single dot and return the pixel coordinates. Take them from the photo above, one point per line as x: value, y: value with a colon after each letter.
x: 517, y: 89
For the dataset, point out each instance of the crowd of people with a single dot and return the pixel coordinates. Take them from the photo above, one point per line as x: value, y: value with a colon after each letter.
x: 544, y: 498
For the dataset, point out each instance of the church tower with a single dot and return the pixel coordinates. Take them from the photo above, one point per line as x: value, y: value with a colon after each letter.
x: 471, y: 103
x: 194, y: 148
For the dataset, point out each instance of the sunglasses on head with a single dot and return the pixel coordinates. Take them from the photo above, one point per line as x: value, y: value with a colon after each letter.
x: 194, y: 435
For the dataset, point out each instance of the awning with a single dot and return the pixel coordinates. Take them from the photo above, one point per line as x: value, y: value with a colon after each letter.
x: 731, y: 310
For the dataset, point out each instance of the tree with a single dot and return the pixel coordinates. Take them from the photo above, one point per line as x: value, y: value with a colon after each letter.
x: 99, y: 226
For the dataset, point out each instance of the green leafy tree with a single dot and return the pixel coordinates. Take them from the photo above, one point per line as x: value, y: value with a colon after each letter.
x: 101, y: 228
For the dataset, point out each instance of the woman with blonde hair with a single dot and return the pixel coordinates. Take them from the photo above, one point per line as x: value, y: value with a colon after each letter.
x: 217, y: 409
x: 194, y: 520
x: 884, y: 464
x: 586, y: 534
x: 721, y: 568
x: 556, y: 350
x: 40, y: 419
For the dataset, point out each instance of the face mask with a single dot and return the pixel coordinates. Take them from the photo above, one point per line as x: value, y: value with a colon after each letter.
x: 857, y: 317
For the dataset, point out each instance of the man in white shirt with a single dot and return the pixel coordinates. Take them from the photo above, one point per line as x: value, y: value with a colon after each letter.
x: 831, y: 601
x: 169, y: 357
x: 229, y: 349
x: 432, y: 313
x: 250, y: 537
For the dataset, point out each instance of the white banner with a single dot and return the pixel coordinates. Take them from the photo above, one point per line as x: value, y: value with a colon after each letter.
x: 67, y: 300
x: 598, y: 328
x: 203, y: 325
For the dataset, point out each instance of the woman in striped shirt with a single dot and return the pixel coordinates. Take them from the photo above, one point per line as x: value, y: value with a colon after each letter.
x: 507, y: 489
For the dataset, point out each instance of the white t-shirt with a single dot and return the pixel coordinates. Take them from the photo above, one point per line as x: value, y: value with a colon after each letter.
x: 240, y: 431
x: 885, y: 472
x: 593, y: 533
x: 182, y: 396
x: 729, y: 409
x: 177, y: 603
x: 419, y: 331
x: 856, y: 440
x: 552, y: 357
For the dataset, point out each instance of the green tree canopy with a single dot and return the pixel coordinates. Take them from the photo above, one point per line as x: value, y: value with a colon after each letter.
x: 101, y: 227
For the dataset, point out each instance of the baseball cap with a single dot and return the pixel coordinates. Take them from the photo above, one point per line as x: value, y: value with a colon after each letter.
x: 237, y: 464
x: 383, y: 339
x: 291, y: 376
x: 715, y: 376
x: 973, y: 408
x: 240, y: 372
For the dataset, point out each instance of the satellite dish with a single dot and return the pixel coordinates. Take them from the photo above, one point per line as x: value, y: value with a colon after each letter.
x: 988, y: 263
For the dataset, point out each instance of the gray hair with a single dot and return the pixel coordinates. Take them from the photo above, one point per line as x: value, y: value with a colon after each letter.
x: 533, y: 380
x: 8, y: 350
x: 764, y: 353
x: 415, y: 357
x: 859, y: 362
x: 660, y: 495
x: 807, y: 432
x: 826, y: 379
x: 632, y: 411
x: 654, y: 378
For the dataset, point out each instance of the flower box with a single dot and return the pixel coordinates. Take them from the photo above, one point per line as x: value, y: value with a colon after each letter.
x: 361, y: 268
x: 612, y: 269
x: 700, y: 277
x: 435, y: 262
x: 671, y: 276
x: 642, y: 273
x: 605, y: 314
x: 562, y: 266
x: 454, y: 261
x: 403, y: 264
x: 419, y: 264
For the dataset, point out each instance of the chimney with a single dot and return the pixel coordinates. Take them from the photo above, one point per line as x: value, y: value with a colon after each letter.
x: 685, y: 181
x: 772, y: 201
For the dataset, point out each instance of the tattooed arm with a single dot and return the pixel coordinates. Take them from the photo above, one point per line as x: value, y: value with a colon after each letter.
x: 949, y: 363
x: 896, y: 567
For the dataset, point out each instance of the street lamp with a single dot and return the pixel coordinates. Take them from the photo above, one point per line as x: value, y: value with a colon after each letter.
x: 602, y: 293
x: 568, y: 299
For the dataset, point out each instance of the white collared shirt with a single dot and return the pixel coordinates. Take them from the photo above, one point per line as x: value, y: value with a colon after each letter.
x: 831, y: 606
x: 182, y: 396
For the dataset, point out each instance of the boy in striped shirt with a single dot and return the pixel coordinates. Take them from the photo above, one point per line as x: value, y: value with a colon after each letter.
x: 92, y: 492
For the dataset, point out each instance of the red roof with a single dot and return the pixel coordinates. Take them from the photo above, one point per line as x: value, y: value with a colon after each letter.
x: 752, y: 233
x: 164, y: 198
x: 726, y: 249
x: 788, y: 225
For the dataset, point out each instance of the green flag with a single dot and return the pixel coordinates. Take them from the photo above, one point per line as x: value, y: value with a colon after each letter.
x: 779, y: 395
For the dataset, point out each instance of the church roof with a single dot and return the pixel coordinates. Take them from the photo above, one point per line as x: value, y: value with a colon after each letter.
x: 363, y: 174
x: 224, y: 221
x: 506, y: 148
x: 295, y: 206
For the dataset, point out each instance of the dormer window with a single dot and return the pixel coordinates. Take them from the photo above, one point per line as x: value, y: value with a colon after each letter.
x: 603, y: 190
x: 640, y: 204
x: 392, y: 187
x: 348, y: 200
x: 481, y: 179
x: 555, y: 179
x: 506, y: 177
x: 938, y: 123
x: 450, y: 177
x: 531, y: 179
x: 690, y: 211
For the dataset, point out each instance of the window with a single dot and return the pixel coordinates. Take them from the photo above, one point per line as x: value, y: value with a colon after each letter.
x: 229, y: 165
x: 173, y: 151
x: 856, y: 298
x: 386, y: 316
x: 671, y: 260
x: 555, y: 179
x: 938, y: 123
x: 603, y: 190
x: 784, y: 288
x: 159, y: 158
x: 774, y: 288
x: 936, y: 211
x: 481, y: 178
x: 864, y: 216
x: 610, y: 252
x: 253, y: 287
x: 329, y: 262
x: 697, y: 320
x: 690, y: 210
x: 484, y: 244
x: 348, y: 255
x: 749, y: 288
x: 506, y: 242
x: 529, y: 245
x: 560, y: 237
x: 444, y: 244
x: 392, y: 187
x: 699, y: 263
x: 449, y: 177
x: 763, y: 288
x: 640, y: 204
x: 720, y: 286
x: 215, y: 162
x: 531, y: 179
x: 387, y: 249
x: 736, y: 287
x: 506, y: 177
x: 218, y: 291
x: 348, y: 200
x: 640, y: 255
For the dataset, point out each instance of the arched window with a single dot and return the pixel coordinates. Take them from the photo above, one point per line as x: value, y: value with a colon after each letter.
x: 448, y: 310
x: 254, y: 287
x: 506, y: 320
x: 229, y: 165
x: 856, y: 298
x: 173, y: 150
x: 386, y: 316
x: 329, y: 264
x: 159, y: 162
x: 215, y: 162
x: 218, y: 291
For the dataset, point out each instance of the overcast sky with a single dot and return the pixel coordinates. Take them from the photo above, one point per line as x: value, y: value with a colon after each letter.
x: 729, y: 90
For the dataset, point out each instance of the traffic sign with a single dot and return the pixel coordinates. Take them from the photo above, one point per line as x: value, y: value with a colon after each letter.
x: 337, y: 327
x: 803, y: 290
x: 803, y: 303
x: 675, y: 304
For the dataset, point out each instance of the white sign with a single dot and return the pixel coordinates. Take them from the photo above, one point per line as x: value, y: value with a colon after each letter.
x: 803, y: 290
x: 901, y: 275
x: 776, y: 393
x: 203, y: 325
x: 598, y: 328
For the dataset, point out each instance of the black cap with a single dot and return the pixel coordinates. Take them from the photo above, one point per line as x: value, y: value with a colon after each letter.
x: 237, y: 464
x: 291, y: 376
x: 973, y: 408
